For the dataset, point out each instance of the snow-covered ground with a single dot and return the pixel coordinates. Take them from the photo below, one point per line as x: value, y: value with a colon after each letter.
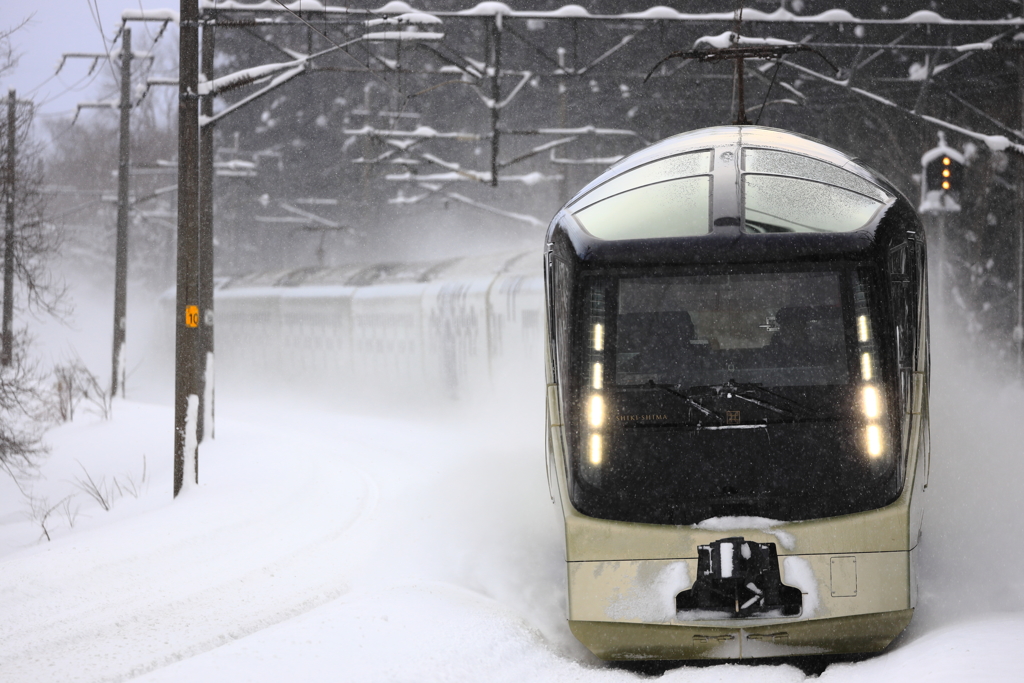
x: 326, y: 544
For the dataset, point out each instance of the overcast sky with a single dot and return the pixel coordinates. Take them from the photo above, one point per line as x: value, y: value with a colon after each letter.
x: 58, y: 26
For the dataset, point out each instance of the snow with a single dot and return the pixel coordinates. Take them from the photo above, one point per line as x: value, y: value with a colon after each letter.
x: 407, y: 18
x: 996, y: 143
x: 249, y: 75
x: 326, y: 543
x: 725, y: 550
x: 573, y: 11
x: 937, y: 201
x: 208, y: 389
x: 654, y: 601
x: 797, y: 572
x: 191, y: 440
x: 730, y: 38
x: 570, y: 11
x: 488, y: 9
x: 918, y: 72
x: 970, y: 47
x: 942, y: 150
x: 396, y: 7
x: 403, y: 36
x: 150, y: 15
x: 763, y: 524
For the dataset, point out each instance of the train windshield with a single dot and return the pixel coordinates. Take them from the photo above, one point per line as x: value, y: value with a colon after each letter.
x: 732, y: 393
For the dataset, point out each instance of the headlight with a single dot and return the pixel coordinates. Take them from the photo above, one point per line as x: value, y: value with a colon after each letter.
x: 596, y: 410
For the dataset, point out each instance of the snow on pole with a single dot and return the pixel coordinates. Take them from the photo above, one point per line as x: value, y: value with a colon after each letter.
x: 208, y: 398
x: 191, y: 470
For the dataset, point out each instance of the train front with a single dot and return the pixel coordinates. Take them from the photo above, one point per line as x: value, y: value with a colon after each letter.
x: 737, y: 400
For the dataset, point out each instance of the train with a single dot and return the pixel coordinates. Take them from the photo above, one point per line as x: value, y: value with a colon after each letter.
x: 737, y: 371
x: 420, y: 333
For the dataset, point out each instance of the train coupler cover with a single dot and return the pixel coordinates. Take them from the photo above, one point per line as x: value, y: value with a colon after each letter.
x: 738, y: 579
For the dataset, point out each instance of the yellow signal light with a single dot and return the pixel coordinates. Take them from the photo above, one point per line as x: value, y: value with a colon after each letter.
x: 946, y: 161
x: 945, y: 184
x: 945, y: 173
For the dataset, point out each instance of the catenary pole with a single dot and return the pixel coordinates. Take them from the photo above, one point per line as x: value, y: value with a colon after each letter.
x: 495, y: 29
x: 206, y: 154
x: 121, y: 252
x: 6, y: 355
x: 186, y: 324
x: 1018, y: 330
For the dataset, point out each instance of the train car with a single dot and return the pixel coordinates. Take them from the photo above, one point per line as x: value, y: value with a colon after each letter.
x: 395, y: 332
x: 737, y: 400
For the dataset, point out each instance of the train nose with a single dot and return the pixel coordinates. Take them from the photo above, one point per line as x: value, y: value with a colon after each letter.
x: 736, y: 579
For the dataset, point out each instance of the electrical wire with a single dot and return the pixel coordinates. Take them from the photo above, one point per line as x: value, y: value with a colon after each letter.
x: 340, y: 49
x: 94, y: 9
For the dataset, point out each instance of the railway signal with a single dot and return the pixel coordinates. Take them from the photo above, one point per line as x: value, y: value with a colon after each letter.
x: 942, y: 174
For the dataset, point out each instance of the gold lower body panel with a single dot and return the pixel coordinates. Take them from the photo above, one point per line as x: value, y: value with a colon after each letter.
x: 860, y: 633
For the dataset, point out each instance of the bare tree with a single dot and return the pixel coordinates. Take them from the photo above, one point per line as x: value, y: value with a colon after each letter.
x: 36, y: 243
x: 8, y: 55
x: 37, y: 240
x: 22, y: 413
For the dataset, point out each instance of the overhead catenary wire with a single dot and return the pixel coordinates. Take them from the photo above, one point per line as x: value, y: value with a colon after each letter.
x: 328, y: 39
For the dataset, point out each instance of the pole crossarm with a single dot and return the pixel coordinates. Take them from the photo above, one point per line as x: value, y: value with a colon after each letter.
x: 96, y: 57
x: 423, y: 132
x: 281, y: 72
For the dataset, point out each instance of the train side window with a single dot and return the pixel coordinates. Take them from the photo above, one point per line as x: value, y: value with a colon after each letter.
x: 809, y: 207
x: 798, y: 166
x: 675, y: 208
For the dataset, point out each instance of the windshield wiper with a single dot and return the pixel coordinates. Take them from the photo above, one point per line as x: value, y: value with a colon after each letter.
x: 676, y: 391
x: 755, y: 393
x: 767, y: 227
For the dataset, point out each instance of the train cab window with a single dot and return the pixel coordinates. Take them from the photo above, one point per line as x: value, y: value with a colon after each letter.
x: 713, y: 394
x: 669, y: 168
x: 672, y: 208
x: 810, y: 206
x: 821, y: 197
x: 706, y: 330
x: 775, y: 162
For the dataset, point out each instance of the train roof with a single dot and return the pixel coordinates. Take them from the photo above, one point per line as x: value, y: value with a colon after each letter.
x: 389, y: 273
x: 730, y: 179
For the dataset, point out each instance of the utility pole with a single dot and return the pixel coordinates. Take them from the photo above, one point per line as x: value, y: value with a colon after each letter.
x: 206, y: 153
x: 494, y: 30
x: 741, y: 107
x: 1018, y: 330
x: 187, y: 318
x: 6, y: 355
x: 121, y: 252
